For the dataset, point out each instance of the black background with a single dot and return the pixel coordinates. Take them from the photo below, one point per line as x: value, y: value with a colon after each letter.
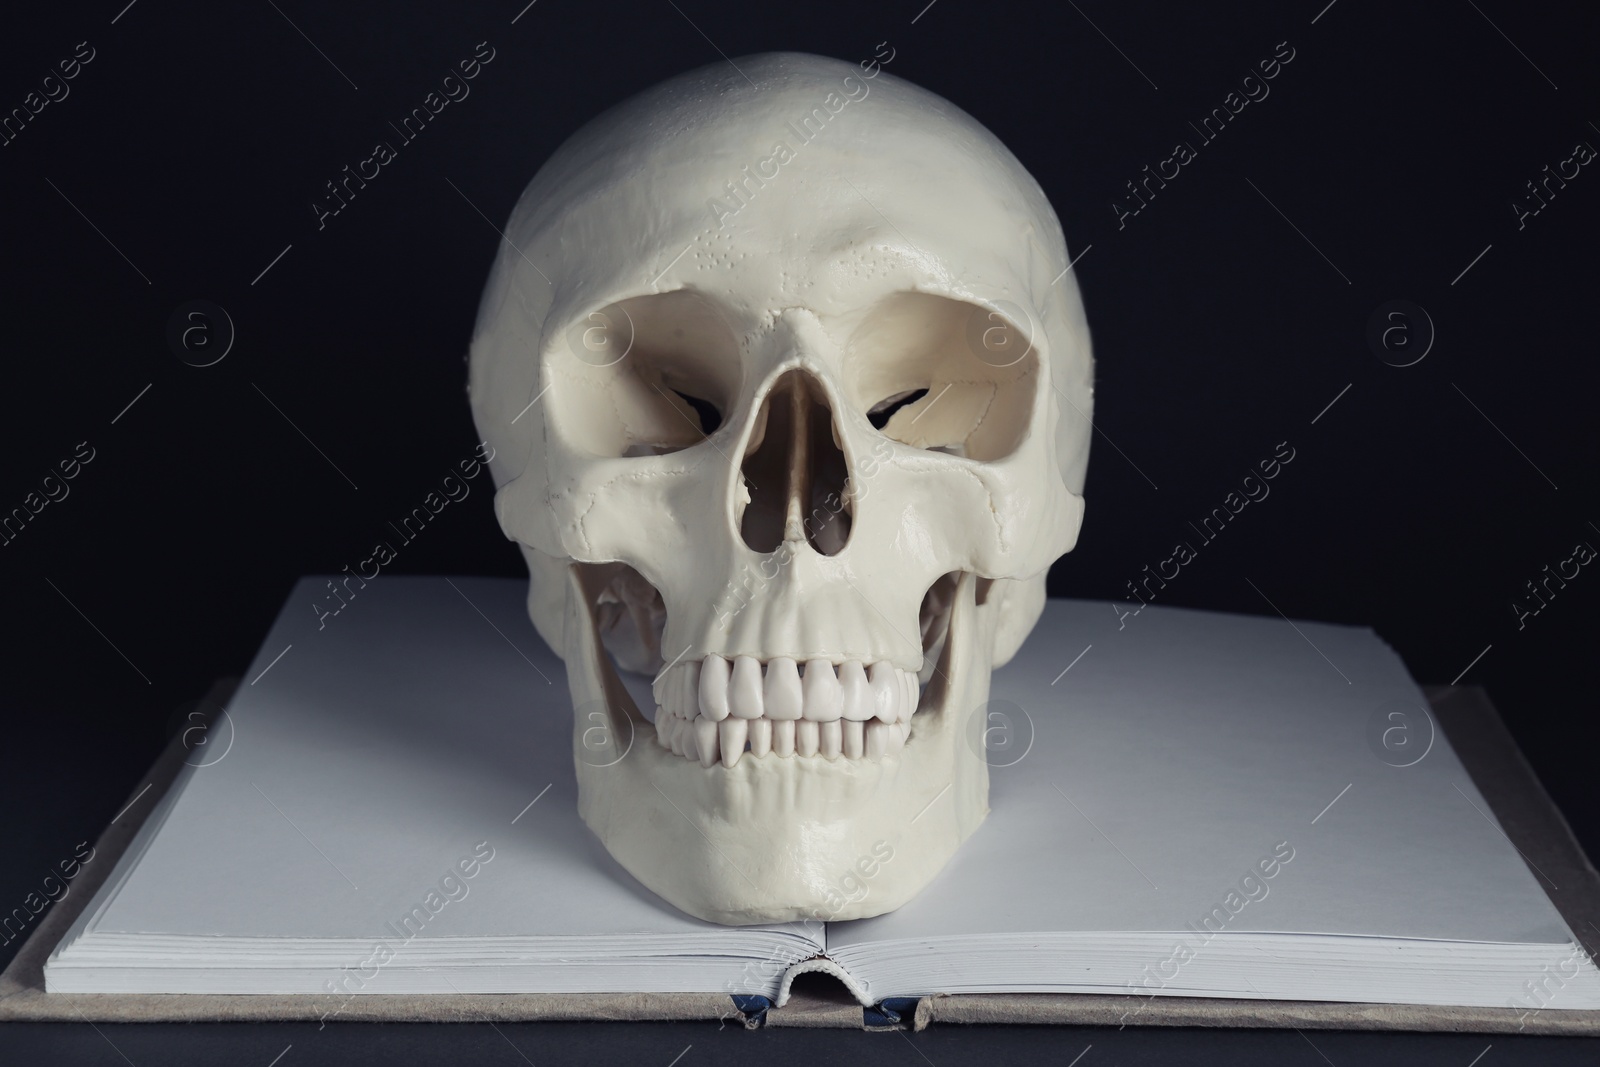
x: 1226, y: 316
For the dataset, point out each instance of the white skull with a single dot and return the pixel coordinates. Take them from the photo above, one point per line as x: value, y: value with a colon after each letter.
x: 799, y: 247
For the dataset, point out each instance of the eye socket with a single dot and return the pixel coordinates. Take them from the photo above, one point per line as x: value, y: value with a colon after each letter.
x: 645, y: 376
x: 945, y: 375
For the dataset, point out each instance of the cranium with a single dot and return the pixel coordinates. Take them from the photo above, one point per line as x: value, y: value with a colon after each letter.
x: 789, y: 390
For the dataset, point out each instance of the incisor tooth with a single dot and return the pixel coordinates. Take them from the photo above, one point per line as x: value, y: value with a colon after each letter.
x: 783, y: 697
x: 782, y: 737
x: 664, y: 728
x: 705, y: 740
x: 855, y: 701
x: 679, y: 729
x: 830, y: 739
x: 744, y: 688
x: 913, y: 693
x: 885, y: 692
x: 714, y: 688
x: 760, y: 737
x: 853, y: 738
x: 691, y: 746
x: 807, y: 737
x: 878, y: 740
x: 822, y: 691
x: 732, y: 734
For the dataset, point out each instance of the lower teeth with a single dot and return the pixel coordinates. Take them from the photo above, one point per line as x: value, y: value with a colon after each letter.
x: 716, y: 709
x: 732, y: 739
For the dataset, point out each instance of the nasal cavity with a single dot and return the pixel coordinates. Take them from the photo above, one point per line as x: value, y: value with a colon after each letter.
x: 795, y: 472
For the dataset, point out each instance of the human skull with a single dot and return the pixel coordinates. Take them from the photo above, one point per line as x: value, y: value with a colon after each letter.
x: 789, y: 390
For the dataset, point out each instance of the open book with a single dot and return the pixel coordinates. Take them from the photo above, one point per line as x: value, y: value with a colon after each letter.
x: 1183, y: 803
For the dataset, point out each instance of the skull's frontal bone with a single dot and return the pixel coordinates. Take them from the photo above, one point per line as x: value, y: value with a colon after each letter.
x: 790, y: 439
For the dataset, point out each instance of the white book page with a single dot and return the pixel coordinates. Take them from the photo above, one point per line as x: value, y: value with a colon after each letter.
x: 1186, y: 749
x: 422, y: 733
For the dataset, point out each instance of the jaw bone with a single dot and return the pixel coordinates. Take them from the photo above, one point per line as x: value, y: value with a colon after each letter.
x: 771, y: 838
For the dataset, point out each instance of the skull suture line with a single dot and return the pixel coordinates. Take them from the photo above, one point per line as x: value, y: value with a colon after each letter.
x: 806, y: 460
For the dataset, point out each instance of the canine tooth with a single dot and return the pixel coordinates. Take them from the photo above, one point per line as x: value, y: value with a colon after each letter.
x: 830, y: 739
x: 673, y: 692
x: 732, y: 734
x: 782, y: 736
x: 885, y: 692
x: 807, y: 737
x: 689, y: 691
x: 744, y: 688
x: 705, y: 740
x: 658, y: 688
x: 760, y: 736
x: 714, y: 688
x: 783, y: 697
x: 913, y: 695
x: 853, y: 738
x: 855, y: 701
x: 878, y: 739
x: 822, y: 691
x: 897, y: 736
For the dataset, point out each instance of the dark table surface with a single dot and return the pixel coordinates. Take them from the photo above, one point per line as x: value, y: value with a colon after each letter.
x: 700, y: 1044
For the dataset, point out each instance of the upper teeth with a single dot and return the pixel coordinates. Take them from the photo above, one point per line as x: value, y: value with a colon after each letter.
x: 715, y: 709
